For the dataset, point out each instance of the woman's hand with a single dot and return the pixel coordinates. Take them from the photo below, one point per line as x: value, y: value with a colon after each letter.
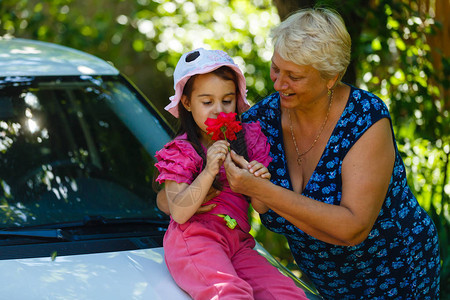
x: 240, y: 173
x: 237, y: 172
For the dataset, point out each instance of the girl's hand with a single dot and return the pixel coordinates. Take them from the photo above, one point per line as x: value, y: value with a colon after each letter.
x: 216, y: 156
x: 258, y: 169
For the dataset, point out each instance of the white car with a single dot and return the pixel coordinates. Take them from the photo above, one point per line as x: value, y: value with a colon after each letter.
x: 78, y: 218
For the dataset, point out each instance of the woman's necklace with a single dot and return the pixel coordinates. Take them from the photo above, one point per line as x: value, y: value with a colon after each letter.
x: 300, y: 155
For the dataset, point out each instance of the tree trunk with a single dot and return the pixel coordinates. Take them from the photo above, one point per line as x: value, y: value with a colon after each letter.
x: 286, y: 7
x: 440, y: 42
x: 353, y: 13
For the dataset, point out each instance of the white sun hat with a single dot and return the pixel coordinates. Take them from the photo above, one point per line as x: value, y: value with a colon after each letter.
x: 201, y: 61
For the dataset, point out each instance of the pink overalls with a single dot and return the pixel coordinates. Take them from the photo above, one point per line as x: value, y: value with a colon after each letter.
x: 206, y: 258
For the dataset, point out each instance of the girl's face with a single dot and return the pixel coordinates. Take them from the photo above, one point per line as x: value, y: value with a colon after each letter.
x: 297, y: 84
x: 210, y: 96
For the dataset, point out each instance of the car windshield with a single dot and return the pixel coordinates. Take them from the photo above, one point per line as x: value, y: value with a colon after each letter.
x: 74, y: 147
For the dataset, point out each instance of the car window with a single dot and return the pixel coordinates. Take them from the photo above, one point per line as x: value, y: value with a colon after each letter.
x: 76, y: 147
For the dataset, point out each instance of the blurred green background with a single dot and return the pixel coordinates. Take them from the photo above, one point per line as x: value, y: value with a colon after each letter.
x: 400, y: 52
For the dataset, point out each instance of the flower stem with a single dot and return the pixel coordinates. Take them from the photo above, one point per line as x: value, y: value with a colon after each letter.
x: 224, y: 129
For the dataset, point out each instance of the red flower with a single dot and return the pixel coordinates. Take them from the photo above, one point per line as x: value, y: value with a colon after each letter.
x: 224, y: 127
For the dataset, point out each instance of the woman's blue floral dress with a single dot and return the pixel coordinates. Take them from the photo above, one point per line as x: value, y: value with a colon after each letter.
x: 400, y: 257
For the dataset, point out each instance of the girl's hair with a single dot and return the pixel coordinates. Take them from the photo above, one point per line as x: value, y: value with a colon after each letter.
x: 316, y: 37
x: 188, y: 125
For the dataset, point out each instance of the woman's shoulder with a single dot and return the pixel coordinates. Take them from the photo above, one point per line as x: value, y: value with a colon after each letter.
x: 364, y: 102
x: 363, y: 109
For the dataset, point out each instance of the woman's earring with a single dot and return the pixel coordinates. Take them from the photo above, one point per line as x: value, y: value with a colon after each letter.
x: 329, y: 92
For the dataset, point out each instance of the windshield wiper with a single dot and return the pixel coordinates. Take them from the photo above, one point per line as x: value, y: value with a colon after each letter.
x: 98, y: 220
x: 94, y: 220
x: 57, y: 234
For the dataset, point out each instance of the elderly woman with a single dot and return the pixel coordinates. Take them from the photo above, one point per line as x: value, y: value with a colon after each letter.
x: 338, y: 190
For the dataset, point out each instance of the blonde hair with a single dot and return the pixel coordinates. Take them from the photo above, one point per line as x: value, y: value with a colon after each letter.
x: 316, y: 37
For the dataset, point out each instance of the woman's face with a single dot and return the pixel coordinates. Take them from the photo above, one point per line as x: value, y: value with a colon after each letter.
x: 298, y: 85
x: 210, y: 96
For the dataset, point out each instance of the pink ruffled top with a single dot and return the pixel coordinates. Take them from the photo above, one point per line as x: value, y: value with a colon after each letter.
x: 178, y: 161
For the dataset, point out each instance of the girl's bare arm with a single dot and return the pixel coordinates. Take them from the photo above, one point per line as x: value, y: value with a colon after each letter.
x: 163, y: 204
x: 185, y: 199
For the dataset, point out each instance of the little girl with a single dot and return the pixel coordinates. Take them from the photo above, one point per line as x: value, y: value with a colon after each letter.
x: 207, y: 258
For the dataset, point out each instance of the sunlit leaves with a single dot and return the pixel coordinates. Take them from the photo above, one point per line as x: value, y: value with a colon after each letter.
x: 426, y: 165
x: 160, y: 30
x: 403, y: 57
x: 397, y: 65
x: 376, y: 45
x: 178, y: 26
x: 138, y: 45
x: 400, y: 44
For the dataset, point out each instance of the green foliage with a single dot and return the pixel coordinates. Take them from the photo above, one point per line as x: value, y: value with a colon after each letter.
x: 396, y: 63
x: 145, y: 39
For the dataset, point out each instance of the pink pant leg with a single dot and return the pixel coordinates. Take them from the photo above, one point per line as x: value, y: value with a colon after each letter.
x: 198, y: 257
x: 266, y: 280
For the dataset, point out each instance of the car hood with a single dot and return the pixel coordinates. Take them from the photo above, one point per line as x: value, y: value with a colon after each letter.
x: 23, y: 57
x: 138, y: 274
